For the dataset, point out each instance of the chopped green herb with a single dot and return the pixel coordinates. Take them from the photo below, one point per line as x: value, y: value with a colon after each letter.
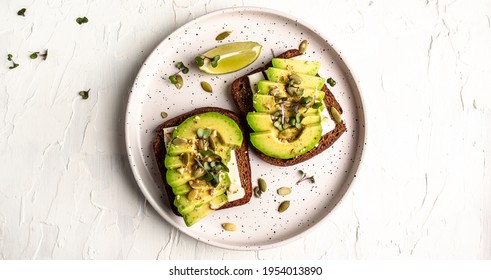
x: 305, y: 100
x: 199, y: 132
x: 331, y: 82
x: 14, y: 65
x: 214, y: 61
x: 35, y: 55
x: 206, y: 133
x: 278, y: 125
x: 21, y: 12
x: 177, y: 79
x: 207, y: 153
x: 199, y: 61
x: 84, y: 94
x: 163, y: 115
x: 317, y: 105
x: 82, y: 20
x: 173, y: 79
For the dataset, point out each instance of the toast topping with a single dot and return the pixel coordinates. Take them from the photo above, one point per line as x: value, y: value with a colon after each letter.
x: 198, y: 157
x: 290, y: 115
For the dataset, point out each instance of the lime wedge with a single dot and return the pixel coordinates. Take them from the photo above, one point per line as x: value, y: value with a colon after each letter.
x: 233, y: 57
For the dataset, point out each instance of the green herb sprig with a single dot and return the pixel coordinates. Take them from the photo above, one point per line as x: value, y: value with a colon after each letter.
x: 200, y: 60
x: 177, y: 79
x: 35, y: 55
x: 84, y: 94
x: 14, y: 65
x: 208, y: 161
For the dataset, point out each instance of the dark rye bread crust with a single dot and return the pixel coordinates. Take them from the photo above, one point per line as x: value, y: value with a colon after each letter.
x: 241, y: 155
x: 242, y: 95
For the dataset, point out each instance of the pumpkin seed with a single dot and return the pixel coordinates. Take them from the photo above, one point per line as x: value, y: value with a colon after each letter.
x: 257, y: 192
x: 262, y: 184
x: 186, y: 158
x: 163, y: 115
x: 303, y: 46
x: 284, y: 191
x: 193, y: 195
x: 283, y: 206
x: 180, y: 81
x: 206, y: 86
x: 179, y: 141
x: 336, y: 115
x: 295, y: 79
x: 213, y: 142
x: 229, y: 226
x: 223, y: 35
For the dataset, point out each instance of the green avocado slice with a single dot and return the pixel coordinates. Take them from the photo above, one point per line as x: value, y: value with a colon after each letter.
x: 190, y: 163
x: 282, y: 76
x: 228, y: 129
x: 269, y: 143
x: 203, y: 210
x: 296, y: 65
x: 263, y: 122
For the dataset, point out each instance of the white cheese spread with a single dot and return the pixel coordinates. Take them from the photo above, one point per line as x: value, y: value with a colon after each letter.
x: 254, y: 79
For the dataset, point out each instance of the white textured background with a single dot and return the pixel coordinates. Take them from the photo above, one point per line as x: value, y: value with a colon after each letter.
x: 424, y: 67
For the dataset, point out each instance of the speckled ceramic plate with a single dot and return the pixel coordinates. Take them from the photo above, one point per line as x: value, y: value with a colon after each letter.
x: 259, y: 223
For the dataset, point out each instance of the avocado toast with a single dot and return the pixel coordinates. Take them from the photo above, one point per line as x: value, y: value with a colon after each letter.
x: 305, y: 135
x: 203, y: 162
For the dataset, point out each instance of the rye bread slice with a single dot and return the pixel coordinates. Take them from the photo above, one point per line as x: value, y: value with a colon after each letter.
x: 241, y: 155
x: 242, y: 96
